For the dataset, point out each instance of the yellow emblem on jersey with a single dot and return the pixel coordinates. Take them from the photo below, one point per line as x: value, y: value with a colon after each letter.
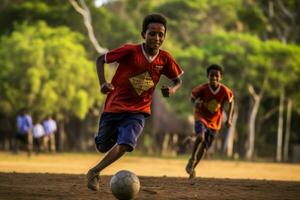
x: 212, y: 106
x: 142, y: 82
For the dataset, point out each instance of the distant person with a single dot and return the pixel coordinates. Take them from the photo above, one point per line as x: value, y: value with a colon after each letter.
x: 50, y: 128
x: 38, y: 134
x: 208, y: 99
x: 24, y: 131
x: 129, y: 95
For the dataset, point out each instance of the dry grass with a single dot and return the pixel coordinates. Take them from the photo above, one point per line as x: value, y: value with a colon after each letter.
x: 72, y: 163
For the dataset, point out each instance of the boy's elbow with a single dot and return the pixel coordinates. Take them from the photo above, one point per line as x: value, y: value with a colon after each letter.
x: 192, y: 99
x: 177, y: 81
x: 100, y: 60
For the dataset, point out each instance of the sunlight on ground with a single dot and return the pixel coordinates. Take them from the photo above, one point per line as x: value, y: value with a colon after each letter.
x: 72, y: 163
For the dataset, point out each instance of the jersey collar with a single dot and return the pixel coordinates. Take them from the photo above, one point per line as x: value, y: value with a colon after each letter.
x: 149, y: 58
x: 214, y: 91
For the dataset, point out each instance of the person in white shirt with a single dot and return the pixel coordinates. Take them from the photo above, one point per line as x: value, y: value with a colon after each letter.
x: 38, y: 134
x: 50, y: 128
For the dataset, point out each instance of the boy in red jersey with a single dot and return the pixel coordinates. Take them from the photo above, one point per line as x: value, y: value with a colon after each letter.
x: 208, y: 99
x: 129, y: 95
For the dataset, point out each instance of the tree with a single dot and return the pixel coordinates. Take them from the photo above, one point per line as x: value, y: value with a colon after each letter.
x: 85, y: 12
x: 46, y: 70
x: 275, y: 19
x: 199, y: 17
x: 285, y: 64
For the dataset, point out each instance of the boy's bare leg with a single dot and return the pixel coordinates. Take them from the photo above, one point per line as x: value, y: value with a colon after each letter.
x: 198, y: 151
x: 200, y: 154
x: 93, y: 174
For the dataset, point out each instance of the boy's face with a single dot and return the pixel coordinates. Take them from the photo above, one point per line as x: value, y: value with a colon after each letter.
x: 154, y: 36
x: 214, y: 77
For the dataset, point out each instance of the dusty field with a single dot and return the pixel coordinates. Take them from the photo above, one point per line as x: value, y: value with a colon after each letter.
x: 61, y: 176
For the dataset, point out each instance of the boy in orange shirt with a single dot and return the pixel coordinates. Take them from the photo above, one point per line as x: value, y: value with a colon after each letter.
x: 208, y: 99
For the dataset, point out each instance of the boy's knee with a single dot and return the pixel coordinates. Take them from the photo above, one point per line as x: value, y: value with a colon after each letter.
x: 102, y: 148
x: 200, y: 137
x: 125, y: 148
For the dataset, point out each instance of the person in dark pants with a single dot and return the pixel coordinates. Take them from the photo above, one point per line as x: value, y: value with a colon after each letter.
x: 24, y: 131
x: 129, y: 95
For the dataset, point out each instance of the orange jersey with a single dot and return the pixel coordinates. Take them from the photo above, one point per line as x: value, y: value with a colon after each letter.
x: 211, y: 108
x: 136, y: 78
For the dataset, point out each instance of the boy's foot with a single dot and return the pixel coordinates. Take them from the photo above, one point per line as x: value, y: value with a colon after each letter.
x: 190, y: 169
x: 93, y: 179
x: 192, y: 175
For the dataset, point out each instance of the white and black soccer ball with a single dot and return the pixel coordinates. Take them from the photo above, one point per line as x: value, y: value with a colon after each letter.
x: 125, y: 185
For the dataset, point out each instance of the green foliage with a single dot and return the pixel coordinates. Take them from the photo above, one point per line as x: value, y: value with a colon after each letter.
x: 231, y: 50
x: 253, y: 17
x: 49, y: 66
x: 54, y: 12
x: 188, y: 19
x: 114, y: 30
x: 46, y: 69
x: 244, y: 57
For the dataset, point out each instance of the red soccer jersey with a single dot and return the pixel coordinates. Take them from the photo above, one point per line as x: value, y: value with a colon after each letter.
x: 210, y: 111
x: 136, y: 77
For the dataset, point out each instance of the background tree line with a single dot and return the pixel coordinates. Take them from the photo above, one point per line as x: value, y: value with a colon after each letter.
x: 47, y: 65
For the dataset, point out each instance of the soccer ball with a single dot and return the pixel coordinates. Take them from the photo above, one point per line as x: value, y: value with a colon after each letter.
x: 125, y: 185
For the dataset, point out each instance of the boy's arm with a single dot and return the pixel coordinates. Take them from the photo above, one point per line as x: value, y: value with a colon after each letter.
x: 193, y: 99
x: 230, y: 113
x: 196, y: 101
x: 105, y: 87
x: 168, y: 91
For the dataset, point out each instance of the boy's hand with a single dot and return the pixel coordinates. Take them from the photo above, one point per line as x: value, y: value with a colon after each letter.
x: 228, y: 123
x: 198, y: 103
x: 106, y: 88
x: 167, y: 91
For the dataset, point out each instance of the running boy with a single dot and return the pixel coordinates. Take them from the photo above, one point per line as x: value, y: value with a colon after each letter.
x: 129, y: 95
x: 208, y: 99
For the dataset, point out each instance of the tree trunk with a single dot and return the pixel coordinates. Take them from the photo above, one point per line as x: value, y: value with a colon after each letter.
x: 251, y: 125
x: 165, y: 144
x: 230, y: 136
x: 61, y: 136
x: 174, y: 145
x: 82, y: 8
x: 287, y: 130
x: 279, y: 128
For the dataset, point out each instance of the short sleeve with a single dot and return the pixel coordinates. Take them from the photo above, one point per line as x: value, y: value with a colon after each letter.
x: 118, y: 54
x: 28, y: 120
x: 229, y: 95
x: 196, y: 92
x: 172, y: 70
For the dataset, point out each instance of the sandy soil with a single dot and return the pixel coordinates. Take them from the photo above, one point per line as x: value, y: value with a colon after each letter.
x: 61, y: 176
x: 30, y: 186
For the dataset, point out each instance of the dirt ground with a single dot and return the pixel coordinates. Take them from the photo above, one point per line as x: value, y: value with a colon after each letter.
x: 61, y: 176
x: 28, y: 186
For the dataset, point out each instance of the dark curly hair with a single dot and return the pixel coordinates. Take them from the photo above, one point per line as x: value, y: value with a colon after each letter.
x: 154, y: 18
x: 215, y: 67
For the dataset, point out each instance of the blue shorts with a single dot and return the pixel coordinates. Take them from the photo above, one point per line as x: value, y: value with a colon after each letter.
x: 119, y: 128
x: 209, y: 134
